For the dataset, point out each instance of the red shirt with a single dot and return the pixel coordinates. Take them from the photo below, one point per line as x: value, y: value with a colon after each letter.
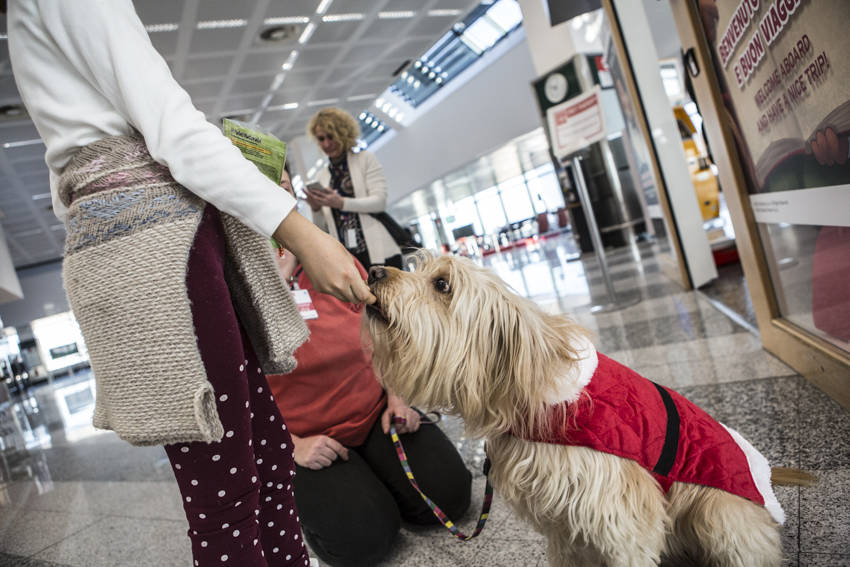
x: 333, y: 391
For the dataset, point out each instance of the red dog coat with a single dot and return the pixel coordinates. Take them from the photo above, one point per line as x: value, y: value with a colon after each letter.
x: 629, y: 416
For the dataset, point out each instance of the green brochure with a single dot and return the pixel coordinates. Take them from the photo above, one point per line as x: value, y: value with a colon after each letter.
x: 264, y: 150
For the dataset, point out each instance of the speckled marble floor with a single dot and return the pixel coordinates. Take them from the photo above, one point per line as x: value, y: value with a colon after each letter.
x: 70, y: 496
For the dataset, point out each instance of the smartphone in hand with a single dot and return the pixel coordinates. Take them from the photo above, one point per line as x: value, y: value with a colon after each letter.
x: 316, y: 187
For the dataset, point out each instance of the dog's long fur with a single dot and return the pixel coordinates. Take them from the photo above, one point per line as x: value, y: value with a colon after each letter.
x: 479, y: 350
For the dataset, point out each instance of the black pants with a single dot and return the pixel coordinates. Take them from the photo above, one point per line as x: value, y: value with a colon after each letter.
x: 351, y: 511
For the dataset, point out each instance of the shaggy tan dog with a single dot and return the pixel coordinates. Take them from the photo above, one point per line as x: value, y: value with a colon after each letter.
x: 452, y: 336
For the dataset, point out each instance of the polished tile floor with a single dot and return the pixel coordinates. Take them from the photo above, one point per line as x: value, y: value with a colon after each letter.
x: 70, y: 495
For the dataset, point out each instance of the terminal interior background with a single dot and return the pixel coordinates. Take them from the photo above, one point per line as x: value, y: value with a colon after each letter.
x: 446, y: 95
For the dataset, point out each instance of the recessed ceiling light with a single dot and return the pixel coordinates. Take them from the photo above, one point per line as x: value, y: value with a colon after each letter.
x: 396, y: 15
x: 286, y: 20
x: 22, y: 143
x: 287, y: 106
x: 323, y: 102
x: 278, y: 80
x: 342, y: 17
x: 41, y: 196
x: 443, y: 13
x: 221, y: 24
x: 323, y: 6
x: 155, y: 28
x: 290, y: 61
x: 280, y: 33
x: 307, y: 33
x: 361, y: 97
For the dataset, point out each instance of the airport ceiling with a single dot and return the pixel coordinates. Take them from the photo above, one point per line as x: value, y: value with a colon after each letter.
x: 347, y: 52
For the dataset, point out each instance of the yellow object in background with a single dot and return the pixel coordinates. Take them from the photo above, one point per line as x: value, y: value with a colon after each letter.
x: 702, y: 174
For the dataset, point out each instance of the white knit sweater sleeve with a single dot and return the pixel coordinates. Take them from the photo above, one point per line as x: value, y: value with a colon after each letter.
x: 107, y: 43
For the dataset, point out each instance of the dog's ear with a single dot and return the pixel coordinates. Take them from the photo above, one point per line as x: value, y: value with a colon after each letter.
x: 528, y: 351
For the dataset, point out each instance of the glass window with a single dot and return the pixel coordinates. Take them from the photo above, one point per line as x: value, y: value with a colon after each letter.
x: 471, y: 196
x: 545, y: 189
x: 487, y: 24
x: 462, y: 214
x: 516, y: 200
x: 428, y: 232
x: 492, y: 213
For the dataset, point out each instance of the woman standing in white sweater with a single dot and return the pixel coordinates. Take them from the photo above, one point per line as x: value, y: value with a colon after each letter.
x: 354, y: 188
x: 167, y: 241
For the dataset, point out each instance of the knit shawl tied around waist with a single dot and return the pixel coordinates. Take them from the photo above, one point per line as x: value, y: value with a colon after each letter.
x: 130, y: 230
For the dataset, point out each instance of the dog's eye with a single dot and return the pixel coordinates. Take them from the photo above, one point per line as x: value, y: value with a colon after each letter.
x: 442, y: 286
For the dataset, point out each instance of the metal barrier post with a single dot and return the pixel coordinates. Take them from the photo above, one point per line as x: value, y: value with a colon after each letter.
x: 584, y: 196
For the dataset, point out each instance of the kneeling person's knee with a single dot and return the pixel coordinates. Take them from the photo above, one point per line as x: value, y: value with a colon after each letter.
x: 358, y: 544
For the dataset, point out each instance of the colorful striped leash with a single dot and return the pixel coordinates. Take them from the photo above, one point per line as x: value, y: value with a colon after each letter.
x: 488, y: 489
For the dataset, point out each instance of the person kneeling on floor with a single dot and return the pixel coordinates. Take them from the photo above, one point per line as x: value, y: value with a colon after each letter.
x: 350, y: 489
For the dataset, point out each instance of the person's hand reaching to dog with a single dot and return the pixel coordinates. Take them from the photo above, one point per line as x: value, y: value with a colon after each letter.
x: 397, y: 408
x: 328, y: 264
x: 317, y: 451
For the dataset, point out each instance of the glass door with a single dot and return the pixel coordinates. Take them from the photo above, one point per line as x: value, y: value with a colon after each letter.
x: 778, y: 83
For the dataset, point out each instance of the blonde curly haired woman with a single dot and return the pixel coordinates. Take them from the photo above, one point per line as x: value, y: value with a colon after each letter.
x: 353, y: 186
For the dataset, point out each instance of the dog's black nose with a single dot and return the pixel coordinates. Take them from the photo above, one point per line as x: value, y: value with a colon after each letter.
x: 376, y: 274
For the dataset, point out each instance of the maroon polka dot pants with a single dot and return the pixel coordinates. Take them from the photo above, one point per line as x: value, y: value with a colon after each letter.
x: 237, y: 493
